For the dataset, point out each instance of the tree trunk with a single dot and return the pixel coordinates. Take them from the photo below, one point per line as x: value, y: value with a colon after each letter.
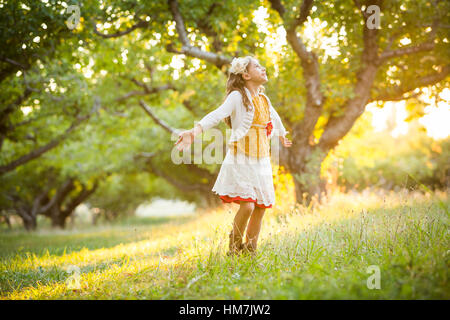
x: 58, y: 218
x: 30, y: 224
x: 304, y: 163
x: 306, y: 193
x: 58, y: 212
x: 6, y: 218
x: 26, y: 214
x: 209, y: 200
x: 59, y: 222
x: 213, y: 200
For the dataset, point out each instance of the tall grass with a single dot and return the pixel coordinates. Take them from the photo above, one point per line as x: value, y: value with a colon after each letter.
x: 319, y: 252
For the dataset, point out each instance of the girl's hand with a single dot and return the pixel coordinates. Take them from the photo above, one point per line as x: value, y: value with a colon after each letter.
x: 185, y: 139
x: 285, y: 142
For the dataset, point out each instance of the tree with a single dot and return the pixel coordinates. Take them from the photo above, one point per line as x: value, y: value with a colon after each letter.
x: 44, y: 193
x: 36, y: 52
x: 135, y: 96
x: 370, y: 71
x: 319, y: 98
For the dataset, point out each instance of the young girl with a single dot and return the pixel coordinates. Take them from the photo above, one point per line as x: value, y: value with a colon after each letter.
x: 245, y: 176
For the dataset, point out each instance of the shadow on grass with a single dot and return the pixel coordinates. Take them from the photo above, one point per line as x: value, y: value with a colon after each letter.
x: 60, y: 242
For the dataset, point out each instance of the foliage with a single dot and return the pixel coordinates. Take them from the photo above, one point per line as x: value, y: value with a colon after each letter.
x: 86, y: 71
x: 367, y: 158
x: 121, y: 194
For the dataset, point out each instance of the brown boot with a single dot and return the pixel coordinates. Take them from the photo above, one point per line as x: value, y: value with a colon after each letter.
x: 248, y: 248
x: 235, y: 245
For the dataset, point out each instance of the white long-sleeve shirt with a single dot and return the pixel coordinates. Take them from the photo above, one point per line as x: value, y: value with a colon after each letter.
x: 241, y: 119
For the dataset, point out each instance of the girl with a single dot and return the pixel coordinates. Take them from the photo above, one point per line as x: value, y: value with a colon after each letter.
x: 245, y: 176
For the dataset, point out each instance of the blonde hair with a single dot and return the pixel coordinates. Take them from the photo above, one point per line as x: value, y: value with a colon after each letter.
x: 236, y: 82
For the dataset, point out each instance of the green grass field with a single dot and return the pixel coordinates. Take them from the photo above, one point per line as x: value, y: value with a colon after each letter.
x: 304, y: 253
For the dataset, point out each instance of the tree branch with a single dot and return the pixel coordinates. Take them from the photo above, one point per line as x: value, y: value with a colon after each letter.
x: 296, y: 42
x: 131, y: 94
x: 397, y: 92
x: 310, y: 65
x: 426, y: 46
x: 62, y: 191
x: 187, y: 48
x: 338, y: 126
x: 79, y: 198
x: 39, y: 151
x: 155, y: 118
x: 36, y: 207
x: 15, y: 63
x: 388, y: 54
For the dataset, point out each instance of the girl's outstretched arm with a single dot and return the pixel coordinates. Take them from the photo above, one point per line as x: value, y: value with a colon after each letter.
x: 214, y: 117
x: 281, y: 130
x: 278, y: 124
x: 186, y: 138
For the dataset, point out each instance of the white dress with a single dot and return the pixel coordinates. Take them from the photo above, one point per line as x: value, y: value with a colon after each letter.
x: 246, y: 173
x: 242, y: 176
x: 246, y: 177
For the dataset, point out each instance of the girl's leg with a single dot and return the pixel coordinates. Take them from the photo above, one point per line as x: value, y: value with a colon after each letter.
x: 240, y: 222
x: 253, y: 228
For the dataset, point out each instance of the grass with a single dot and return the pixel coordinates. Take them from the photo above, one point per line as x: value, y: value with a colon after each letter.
x: 304, y: 253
